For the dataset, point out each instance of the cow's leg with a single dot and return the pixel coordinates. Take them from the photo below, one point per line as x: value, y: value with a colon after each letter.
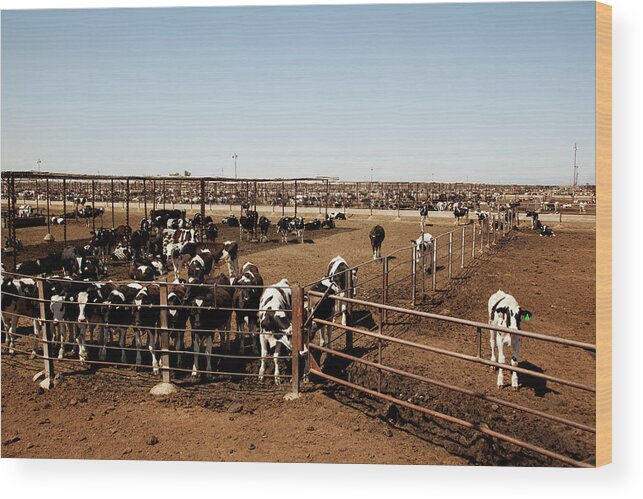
x: 151, y: 344
x: 208, y: 351
x: 139, y: 344
x: 102, y: 340
x: 263, y: 343
x: 276, y: 360
x: 80, y: 341
x: 195, y: 349
x: 61, y: 336
x: 501, y: 360
x: 36, y: 336
x: 121, y: 343
x: 492, y: 342
x: 515, y: 351
x: 178, y: 346
x: 252, y: 328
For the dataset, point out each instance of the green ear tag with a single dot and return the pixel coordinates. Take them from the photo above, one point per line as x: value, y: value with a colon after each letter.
x: 527, y: 318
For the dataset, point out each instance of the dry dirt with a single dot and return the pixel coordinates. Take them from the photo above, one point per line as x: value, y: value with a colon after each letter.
x: 108, y: 414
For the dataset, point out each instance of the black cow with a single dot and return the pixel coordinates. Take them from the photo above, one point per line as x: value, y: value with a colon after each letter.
x: 211, y: 232
x: 376, y: 236
x: 230, y: 221
x: 248, y: 225
x: 264, y: 226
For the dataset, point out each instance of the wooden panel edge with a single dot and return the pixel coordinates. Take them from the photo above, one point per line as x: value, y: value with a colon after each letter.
x: 603, y: 234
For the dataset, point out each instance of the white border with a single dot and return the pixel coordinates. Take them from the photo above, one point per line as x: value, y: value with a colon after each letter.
x: 97, y: 479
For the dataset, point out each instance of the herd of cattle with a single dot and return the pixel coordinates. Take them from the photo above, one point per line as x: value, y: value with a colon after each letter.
x: 78, y: 304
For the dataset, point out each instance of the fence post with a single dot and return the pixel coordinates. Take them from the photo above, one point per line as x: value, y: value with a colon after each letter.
x: 473, y: 241
x: 462, y: 251
x: 349, y: 309
x: 479, y: 342
x: 297, y: 336
x: 385, y: 287
x: 165, y: 387
x: 450, y: 253
x: 45, y: 329
x: 413, y: 273
x: 434, y: 266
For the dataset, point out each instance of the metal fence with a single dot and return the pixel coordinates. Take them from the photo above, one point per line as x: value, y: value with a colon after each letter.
x: 50, y: 345
x: 380, y: 338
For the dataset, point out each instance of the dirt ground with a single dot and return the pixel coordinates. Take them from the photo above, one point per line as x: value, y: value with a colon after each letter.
x: 108, y: 414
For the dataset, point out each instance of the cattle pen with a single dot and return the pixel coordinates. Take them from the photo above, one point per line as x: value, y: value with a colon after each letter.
x: 389, y: 310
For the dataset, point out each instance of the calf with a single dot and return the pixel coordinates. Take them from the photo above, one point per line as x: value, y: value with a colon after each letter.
x: 297, y: 226
x: 210, y: 310
x: 504, y: 311
x: 377, y: 235
x: 275, y: 316
x: 483, y: 217
x: 245, y: 301
x: 283, y: 228
x: 423, y: 247
x: 65, y: 309
x: 227, y: 252
x: 138, y: 241
x: 546, y: 231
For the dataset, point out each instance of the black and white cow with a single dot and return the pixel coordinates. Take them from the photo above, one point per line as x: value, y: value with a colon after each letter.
x: 424, y: 215
x: 103, y: 239
x: 200, y: 265
x: 231, y: 221
x: 122, y: 254
x: 460, y: 212
x: 142, y: 272
x: 139, y: 241
x: 19, y: 298
x: 146, y: 318
x: 376, y: 236
x: 546, y: 231
x: 178, y: 315
x: 288, y: 225
x: 264, y: 226
x: 275, y: 323
x: 118, y: 315
x: 337, y: 272
x: 245, y: 301
x: 179, y: 254
x: 535, y: 223
x: 483, y: 217
x: 323, y: 307
x: 58, y: 220
x: 210, y: 311
x: 424, y: 248
x: 504, y: 311
x: 248, y: 225
x: 90, y: 308
x: 65, y: 310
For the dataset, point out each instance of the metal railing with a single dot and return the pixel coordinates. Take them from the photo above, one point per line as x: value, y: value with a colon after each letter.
x: 378, y: 339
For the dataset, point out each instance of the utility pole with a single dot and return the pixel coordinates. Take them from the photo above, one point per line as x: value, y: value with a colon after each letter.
x: 235, y: 156
x: 575, y: 177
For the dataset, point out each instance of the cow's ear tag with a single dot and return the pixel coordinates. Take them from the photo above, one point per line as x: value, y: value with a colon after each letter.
x: 526, y: 317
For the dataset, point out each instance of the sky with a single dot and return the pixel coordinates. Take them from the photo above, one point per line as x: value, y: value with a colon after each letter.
x: 446, y: 92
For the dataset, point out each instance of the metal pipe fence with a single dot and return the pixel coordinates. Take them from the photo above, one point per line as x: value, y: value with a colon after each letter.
x: 388, y: 337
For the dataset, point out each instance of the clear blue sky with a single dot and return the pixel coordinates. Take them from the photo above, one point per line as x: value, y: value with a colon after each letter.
x: 453, y: 92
